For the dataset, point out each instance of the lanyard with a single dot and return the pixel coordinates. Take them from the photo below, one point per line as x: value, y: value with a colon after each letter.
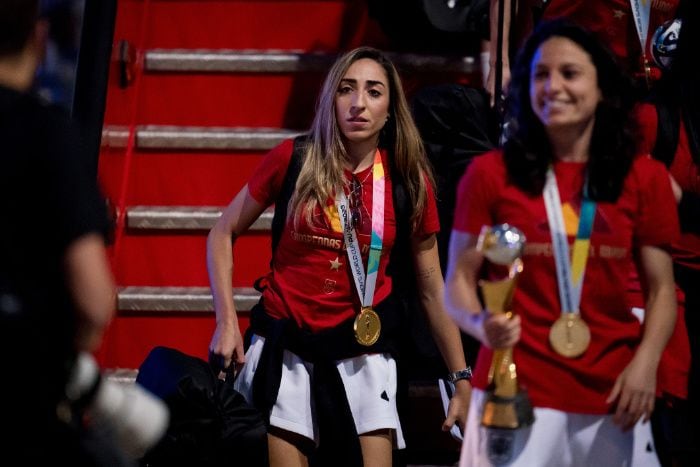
x: 641, y: 10
x: 570, y: 272
x: 365, y: 285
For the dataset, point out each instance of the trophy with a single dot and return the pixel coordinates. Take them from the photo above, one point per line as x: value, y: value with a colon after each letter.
x: 507, y: 406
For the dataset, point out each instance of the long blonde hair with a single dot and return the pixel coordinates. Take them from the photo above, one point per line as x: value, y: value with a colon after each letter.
x: 325, y: 155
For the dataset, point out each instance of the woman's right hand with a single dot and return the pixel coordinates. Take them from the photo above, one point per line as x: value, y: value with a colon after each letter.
x: 227, y: 345
x: 501, y: 330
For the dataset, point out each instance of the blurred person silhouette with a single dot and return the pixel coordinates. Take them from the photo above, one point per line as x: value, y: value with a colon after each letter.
x: 670, y: 130
x: 322, y: 365
x: 569, y: 170
x: 56, y: 290
x: 625, y: 26
x: 55, y: 79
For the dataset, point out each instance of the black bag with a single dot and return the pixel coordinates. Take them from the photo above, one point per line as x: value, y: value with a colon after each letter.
x: 211, y: 424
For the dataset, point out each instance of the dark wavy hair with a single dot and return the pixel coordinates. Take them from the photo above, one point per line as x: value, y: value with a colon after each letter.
x: 527, y: 151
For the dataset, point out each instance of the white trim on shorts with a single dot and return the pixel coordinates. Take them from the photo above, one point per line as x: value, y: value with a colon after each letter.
x: 556, y: 439
x: 370, y: 386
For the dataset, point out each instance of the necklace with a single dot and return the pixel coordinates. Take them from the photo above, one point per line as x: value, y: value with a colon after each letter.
x: 369, y: 172
x: 355, y: 184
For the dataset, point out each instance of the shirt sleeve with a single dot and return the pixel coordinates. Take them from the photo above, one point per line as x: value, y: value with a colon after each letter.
x: 429, y: 222
x: 266, y: 182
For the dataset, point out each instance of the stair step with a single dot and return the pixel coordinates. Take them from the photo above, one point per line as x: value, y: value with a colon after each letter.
x: 186, y: 299
x: 185, y: 218
x: 195, y: 137
x: 278, y: 61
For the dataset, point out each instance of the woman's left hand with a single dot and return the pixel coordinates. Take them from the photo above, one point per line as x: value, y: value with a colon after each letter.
x: 635, y: 392
x: 459, y: 406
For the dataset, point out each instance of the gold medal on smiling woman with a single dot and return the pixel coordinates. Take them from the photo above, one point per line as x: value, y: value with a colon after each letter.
x: 569, y: 335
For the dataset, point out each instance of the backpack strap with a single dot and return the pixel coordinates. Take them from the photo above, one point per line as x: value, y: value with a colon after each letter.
x: 668, y: 122
x: 400, y: 264
x: 288, y: 185
x: 402, y: 203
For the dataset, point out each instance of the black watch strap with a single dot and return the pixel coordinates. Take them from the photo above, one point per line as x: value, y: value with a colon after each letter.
x: 461, y: 374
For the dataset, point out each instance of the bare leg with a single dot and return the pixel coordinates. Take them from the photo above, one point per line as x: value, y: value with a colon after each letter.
x: 284, y: 448
x: 376, y: 448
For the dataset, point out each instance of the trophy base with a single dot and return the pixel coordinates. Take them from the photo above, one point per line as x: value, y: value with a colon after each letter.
x: 507, y: 412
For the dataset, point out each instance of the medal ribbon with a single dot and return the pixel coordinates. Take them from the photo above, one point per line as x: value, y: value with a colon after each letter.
x: 570, y: 272
x: 365, y: 285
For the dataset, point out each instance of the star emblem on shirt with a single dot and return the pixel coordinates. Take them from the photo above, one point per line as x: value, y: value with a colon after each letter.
x: 618, y: 14
x: 335, y: 263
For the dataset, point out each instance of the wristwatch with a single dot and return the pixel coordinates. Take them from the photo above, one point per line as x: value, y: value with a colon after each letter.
x: 461, y: 374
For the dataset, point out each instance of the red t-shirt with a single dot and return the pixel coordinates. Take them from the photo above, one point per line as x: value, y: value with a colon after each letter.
x: 643, y: 215
x: 613, y: 22
x: 310, y: 279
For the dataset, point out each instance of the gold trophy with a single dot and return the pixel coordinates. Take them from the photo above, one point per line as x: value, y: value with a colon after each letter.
x: 507, y: 406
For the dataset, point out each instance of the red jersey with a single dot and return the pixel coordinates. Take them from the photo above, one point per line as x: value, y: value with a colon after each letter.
x: 310, y: 280
x: 644, y: 214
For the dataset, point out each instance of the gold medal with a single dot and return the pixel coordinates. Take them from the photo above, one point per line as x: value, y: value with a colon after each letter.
x: 367, y: 326
x: 569, y: 335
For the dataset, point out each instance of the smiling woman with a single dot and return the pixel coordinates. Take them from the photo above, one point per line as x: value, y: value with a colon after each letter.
x: 569, y: 178
x: 564, y: 93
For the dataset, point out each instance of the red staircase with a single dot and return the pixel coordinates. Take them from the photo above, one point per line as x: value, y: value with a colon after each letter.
x: 198, y: 92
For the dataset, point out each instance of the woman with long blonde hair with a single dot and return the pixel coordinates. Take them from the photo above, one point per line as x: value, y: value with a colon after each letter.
x: 321, y: 364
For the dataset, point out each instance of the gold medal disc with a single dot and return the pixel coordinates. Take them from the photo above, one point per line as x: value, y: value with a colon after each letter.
x: 367, y: 326
x: 569, y: 335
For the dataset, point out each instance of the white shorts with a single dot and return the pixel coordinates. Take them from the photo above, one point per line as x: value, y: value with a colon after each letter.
x: 556, y: 439
x: 370, y: 386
